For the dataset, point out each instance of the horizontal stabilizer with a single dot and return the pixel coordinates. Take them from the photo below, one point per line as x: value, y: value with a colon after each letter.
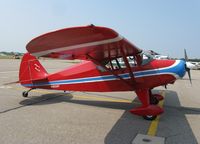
x: 11, y: 83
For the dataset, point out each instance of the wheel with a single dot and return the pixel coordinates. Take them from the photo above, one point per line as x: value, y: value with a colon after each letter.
x: 154, y: 100
x: 25, y: 94
x: 149, y: 117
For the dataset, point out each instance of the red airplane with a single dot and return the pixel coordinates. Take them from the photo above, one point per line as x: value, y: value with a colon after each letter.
x: 111, y: 63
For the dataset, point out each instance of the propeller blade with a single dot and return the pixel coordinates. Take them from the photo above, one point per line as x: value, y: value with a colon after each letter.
x: 187, y: 68
x: 185, y: 54
x: 189, y: 74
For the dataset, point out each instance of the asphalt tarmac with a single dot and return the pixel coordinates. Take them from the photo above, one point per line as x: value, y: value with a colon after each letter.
x: 49, y: 117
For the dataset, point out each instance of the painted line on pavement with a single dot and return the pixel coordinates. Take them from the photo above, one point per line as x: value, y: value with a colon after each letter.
x: 154, y: 124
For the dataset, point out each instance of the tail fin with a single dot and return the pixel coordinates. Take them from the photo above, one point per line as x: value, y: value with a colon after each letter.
x: 31, y: 70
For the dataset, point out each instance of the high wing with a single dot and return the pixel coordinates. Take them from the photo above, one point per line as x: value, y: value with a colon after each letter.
x: 100, y: 43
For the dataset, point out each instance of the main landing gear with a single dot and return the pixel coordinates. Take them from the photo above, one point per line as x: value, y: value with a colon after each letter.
x: 149, y: 109
x: 155, y: 98
x: 150, y: 117
x: 25, y: 93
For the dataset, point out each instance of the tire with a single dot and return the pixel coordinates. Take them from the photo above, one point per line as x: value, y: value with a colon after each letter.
x: 25, y: 94
x: 150, y: 117
x: 154, y: 100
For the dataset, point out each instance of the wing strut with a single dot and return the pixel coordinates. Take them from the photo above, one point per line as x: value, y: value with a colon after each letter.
x: 98, y: 63
x: 109, y: 59
x: 128, y: 66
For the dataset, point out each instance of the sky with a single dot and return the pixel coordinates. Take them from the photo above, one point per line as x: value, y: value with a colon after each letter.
x: 165, y: 26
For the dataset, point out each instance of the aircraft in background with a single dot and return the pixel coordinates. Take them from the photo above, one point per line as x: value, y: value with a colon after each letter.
x: 190, y: 64
x: 157, y: 55
x: 195, y: 65
x: 102, y: 49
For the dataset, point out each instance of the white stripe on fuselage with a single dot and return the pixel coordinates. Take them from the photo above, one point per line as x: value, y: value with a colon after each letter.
x: 116, y: 39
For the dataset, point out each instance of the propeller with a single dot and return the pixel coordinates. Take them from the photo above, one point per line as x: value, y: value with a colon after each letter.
x: 186, y: 68
x: 185, y: 55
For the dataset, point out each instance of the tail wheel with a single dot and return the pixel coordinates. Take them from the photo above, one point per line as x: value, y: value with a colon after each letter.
x: 150, y: 117
x: 25, y: 94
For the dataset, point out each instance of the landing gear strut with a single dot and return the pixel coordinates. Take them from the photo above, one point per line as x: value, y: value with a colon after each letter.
x: 153, y: 100
x: 25, y: 93
x: 148, y: 110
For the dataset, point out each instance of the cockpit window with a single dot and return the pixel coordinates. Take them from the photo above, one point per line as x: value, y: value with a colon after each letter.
x: 115, y: 64
x: 119, y: 63
x: 146, y: 58
x: 142, y: 58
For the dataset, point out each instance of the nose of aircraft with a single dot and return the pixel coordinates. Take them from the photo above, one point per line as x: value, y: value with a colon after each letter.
x: 180, y: 68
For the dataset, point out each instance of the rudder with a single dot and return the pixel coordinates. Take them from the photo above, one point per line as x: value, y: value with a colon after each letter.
x: 31, y: 70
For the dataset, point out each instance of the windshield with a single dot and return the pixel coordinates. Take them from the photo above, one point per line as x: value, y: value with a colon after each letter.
x: 146, y: 57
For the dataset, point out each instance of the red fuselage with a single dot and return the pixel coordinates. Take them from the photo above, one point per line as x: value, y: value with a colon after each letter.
x: 87, y: 76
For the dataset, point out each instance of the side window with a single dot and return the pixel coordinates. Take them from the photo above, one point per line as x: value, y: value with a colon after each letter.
x: 119, y: 63
x: 132, y: 61
x: 116, y: 64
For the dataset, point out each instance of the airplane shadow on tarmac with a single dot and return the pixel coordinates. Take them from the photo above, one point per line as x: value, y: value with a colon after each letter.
x: 173, y: 124
x: 52, y: 98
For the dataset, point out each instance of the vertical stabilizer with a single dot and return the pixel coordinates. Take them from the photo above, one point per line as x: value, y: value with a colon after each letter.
x: 31, y: 70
